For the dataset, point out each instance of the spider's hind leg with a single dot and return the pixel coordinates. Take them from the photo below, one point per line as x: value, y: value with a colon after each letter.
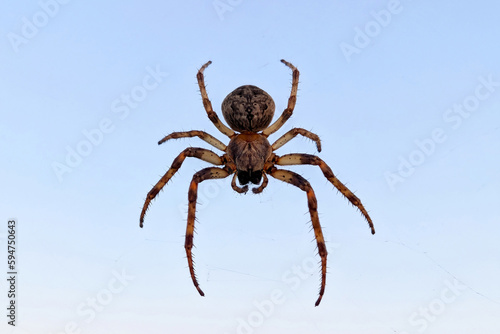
x: 208, y: 105
x: 303, y: 184
x: 287, y: 113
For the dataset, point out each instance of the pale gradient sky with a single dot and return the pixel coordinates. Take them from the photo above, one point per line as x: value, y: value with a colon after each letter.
x: 405, y: 96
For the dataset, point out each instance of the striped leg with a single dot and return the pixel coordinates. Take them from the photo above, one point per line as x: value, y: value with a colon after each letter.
x: 287, y: 113
x: 194, y: 152
x: 308, y: 159
x: 202, y: 175
x: 292, y: 134
x: 303, y: 184
x: 195, y: 133
x: 208, y: 105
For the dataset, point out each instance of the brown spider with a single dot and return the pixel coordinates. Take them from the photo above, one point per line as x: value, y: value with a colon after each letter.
x: 249, y: 156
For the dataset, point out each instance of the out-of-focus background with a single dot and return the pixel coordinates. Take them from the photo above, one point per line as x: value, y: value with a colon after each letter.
x: 405, y: 96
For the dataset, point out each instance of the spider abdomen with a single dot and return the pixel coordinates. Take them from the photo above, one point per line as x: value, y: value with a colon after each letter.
x: 249, y: 151
x: 248, y: 108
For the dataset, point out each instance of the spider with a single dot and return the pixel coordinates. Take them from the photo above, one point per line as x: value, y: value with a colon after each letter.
x: 250, y: 157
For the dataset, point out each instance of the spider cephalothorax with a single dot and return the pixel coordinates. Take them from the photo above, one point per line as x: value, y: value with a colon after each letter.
x: 249, y: 151
x: 250, y: 157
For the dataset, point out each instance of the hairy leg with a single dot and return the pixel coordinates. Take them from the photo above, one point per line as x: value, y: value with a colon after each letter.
x: 208, y: 105
x: 303, y: 184
x: 202, y: 175
x: 292, y: 134
x: 195, y: 133
x: 194, y: 152
x: 308, y: 159
x: 287, y: 113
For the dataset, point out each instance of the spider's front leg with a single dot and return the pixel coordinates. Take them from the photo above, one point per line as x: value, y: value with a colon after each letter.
x: 303, y: 184
x: 202, y: 175
x: 194, y: 152
x: 308, y: 159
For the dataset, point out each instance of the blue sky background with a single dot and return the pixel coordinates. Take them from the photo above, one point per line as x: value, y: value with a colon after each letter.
x: 381, y: 83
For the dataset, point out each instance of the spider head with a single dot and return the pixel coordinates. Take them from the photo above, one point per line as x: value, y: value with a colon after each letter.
x: 248, y: 108
x: 249, y: 176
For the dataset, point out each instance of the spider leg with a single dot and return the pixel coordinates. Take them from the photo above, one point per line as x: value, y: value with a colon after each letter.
x: 265, y: 181
x: 202, y: 175
x: 195, y: 133
x: 195, y: 152
x: 308, y: 159
x: 208, y: 105
x: 236, y: 188
x: 292, y: 134
x: 303, y: 184
x: 287, y: 113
